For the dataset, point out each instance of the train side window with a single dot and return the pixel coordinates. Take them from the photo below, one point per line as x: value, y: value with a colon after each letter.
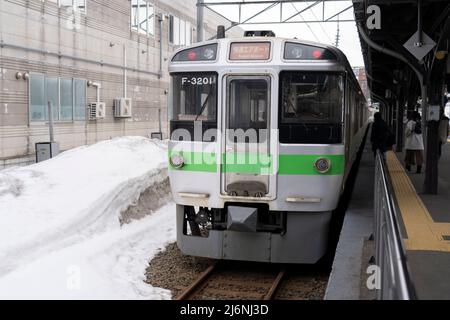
x: 311, y: 107
x: 194, y: 106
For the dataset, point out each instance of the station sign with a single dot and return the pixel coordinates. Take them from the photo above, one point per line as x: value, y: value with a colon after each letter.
x: 419, y: 50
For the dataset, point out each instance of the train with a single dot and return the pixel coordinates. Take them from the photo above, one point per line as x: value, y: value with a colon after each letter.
x: 263, y: 134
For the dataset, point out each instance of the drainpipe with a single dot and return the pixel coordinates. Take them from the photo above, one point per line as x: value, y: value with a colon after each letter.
x: 161, y: 20
x: 61, y: 55
x: 124, y: 71
x: 97, y: 86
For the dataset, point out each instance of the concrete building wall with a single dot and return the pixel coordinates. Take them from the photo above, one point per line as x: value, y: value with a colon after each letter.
x: 40, y: 37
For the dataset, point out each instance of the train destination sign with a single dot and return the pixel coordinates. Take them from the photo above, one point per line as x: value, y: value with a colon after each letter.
x: 250, y: 51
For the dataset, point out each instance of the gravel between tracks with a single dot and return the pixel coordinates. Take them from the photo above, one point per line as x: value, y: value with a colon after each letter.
x: 172, y: 270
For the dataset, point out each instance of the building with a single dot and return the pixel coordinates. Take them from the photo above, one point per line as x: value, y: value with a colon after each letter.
x: 360, y: 73
x: 78, y: 54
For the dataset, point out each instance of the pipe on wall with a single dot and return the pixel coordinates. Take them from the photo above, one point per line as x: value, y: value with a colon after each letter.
x: 97, y: 87
x: 124, y: 71
x: 161, y: 20
x: 60, y: 55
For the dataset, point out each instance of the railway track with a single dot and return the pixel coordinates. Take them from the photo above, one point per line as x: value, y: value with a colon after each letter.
x: 223, y: 281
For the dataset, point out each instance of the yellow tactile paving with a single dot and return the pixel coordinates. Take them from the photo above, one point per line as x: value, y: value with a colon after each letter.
x: 423, y: 232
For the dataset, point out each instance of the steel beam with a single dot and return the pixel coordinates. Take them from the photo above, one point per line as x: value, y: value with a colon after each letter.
x: 235, y: 3
x: 272, y: 4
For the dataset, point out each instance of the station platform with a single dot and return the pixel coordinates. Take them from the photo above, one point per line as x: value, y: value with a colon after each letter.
x: 348, y: 270
x: 425, y: 226
x: 424, y: 223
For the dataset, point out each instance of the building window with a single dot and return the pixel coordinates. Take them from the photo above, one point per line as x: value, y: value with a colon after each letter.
x: 37, y: 98
x: 68, y: 98
x: 79, y: 99
x: 76, y: 4
x: 142, y: 17
x: 180, y: 31
x: 52, y: 95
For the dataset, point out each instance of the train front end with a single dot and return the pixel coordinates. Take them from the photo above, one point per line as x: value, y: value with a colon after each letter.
x: 252, y: 179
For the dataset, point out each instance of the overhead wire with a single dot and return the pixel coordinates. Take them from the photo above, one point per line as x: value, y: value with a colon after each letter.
x: 307, y: 24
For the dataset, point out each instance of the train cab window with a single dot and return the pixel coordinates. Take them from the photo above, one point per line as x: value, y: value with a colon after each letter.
x: 194, y: 106
x: 311, y: 107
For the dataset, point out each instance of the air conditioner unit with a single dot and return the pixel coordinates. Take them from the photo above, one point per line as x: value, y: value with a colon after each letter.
x: 97, y: 110
x: 122, y: 108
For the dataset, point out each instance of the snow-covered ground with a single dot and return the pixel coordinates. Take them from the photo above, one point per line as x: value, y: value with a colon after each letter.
x: 60, y: 235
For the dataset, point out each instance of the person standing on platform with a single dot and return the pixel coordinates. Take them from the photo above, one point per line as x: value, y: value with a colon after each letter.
x: 414, y: 143
x: 379, y: 135
x: 443, y: 132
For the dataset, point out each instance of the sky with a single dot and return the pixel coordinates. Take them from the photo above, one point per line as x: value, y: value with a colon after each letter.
x: 318, y: 32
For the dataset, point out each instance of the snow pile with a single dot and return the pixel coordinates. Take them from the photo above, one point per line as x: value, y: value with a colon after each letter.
x: 60, y: 235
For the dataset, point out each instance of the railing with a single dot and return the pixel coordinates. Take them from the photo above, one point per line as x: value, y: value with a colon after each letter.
x: 390, y: 256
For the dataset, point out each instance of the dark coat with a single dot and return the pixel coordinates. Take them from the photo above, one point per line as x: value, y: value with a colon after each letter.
x: 380, y: 136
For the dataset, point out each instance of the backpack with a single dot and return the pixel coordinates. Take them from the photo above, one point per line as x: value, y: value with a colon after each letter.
x: 418, y: 128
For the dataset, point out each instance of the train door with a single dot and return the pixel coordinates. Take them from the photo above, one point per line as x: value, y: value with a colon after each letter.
x: 246, y: 164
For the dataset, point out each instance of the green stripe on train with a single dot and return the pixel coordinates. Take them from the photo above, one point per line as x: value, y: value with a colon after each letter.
x: 289, y: 164
x: 303, y: 164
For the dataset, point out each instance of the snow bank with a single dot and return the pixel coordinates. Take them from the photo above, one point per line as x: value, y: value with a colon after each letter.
x: 60, y: 235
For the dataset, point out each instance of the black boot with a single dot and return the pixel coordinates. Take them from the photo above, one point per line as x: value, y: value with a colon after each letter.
x: 419, y: 169
x: 408, y: 167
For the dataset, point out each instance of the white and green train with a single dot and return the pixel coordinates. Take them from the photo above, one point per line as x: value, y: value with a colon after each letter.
x: 263, y: 134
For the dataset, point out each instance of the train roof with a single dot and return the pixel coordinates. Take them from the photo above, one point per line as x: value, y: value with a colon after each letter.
x: 277, y: 58
x: 224, y: 43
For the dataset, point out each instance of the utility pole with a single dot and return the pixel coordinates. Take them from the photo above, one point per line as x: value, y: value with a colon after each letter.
x: 200, y: 20
x: 337, y: 34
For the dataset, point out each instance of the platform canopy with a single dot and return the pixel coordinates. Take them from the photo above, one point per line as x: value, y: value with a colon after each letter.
x: 405, y: 46
x: 399, y: 23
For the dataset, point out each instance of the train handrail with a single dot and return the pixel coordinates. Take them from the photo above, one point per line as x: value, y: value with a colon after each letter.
x: 395, y: 283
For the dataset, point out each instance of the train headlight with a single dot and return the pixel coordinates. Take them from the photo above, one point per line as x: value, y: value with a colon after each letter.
x: 322, y: 165
x: 176, y: 161
x: 203, y: 53
x: 296, y: 53
x: 209, y: 54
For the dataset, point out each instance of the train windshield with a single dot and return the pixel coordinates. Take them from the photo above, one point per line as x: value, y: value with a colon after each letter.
x: 248, y: 104
x: 311, y: 107
x: 194, y: 105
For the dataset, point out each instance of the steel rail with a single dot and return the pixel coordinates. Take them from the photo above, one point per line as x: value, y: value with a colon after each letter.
x: 275, y: 285
x: 196, y: 286
x: 205, y: 275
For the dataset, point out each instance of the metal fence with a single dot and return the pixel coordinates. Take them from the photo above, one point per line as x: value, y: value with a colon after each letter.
x: 390, y: 256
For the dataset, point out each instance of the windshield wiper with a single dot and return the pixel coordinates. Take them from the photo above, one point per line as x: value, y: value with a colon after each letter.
x: 204, y: 105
